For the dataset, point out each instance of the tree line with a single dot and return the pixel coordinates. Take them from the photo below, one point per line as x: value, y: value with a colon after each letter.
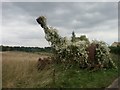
x: 26, y: 49
x: 115, y: 50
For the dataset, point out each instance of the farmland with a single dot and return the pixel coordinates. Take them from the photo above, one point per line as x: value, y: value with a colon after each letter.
x: 19, y: 71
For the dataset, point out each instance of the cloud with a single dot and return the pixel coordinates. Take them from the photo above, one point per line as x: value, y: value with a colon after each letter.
x: 93, y: 19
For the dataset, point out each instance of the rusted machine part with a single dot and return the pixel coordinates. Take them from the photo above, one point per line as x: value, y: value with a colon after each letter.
x: 42, y: 21
x: 91, y: 52
x: 43, y: 62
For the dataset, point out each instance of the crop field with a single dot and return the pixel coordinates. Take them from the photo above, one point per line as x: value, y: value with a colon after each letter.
x: 19, y: 71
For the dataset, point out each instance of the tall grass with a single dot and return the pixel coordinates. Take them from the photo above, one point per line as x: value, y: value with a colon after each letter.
x: 19, y: 71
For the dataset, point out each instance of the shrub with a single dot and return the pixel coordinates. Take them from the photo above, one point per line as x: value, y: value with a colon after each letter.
x: 75, y: 51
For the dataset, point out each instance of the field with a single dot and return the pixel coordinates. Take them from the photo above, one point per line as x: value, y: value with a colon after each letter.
x: 19, y: 71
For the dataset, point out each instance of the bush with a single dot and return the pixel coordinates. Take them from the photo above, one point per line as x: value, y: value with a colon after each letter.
x: 75, y: 50
x: 115, y: 50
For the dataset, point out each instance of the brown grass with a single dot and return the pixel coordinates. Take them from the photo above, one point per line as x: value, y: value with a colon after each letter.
x: 19, y: 70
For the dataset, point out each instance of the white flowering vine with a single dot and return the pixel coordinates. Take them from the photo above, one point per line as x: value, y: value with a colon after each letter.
x: 75, y: 50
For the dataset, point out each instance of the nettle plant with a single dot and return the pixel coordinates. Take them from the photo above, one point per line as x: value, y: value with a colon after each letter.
x: 77, y: 50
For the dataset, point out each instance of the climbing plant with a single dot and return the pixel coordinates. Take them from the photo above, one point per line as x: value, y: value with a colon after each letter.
x: 75, y: 51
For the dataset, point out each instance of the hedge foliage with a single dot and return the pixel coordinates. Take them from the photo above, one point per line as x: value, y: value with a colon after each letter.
x: 74, y: 50
x: 115, y: 50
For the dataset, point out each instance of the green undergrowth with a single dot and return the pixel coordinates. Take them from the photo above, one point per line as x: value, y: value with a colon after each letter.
x: 79, y: 78
x: 75, y: 77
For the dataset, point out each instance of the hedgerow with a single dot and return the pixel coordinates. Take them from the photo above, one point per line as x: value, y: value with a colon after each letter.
x: 74, y: 51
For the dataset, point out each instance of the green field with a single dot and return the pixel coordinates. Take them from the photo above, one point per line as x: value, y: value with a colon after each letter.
x: 19, y: 71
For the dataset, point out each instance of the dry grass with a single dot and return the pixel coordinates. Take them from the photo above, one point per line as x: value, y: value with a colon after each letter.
x: 19, y: 70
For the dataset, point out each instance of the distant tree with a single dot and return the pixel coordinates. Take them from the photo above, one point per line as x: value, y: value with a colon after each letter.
x: 83, y: 37
x: 73, y: 37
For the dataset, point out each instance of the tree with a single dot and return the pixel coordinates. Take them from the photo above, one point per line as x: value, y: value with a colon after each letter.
x: 83, y: 37
x: 73, y: 37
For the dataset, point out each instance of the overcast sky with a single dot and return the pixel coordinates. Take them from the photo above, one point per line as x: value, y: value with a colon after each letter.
x: 96, y: 20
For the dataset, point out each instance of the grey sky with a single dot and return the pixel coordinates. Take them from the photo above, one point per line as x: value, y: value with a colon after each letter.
x: 96, y: 20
